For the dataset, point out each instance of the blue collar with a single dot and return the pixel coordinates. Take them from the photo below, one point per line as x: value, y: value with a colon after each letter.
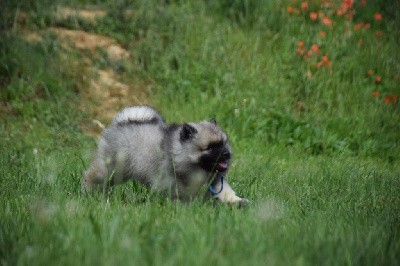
x: 215, y: 193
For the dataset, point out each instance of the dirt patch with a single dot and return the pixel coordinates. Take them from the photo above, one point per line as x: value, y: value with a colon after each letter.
x: 31, y: 36
x: 104, y: 92
x: 110, y: 94
x: 88, y: 41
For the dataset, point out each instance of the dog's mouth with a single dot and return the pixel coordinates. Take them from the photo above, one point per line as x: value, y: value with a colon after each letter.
x: 221, y: 166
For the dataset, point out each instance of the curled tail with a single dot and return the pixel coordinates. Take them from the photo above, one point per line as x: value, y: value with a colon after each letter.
x: 138, y: 115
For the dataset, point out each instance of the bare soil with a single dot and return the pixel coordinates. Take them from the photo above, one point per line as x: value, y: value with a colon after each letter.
x: 104, y: 92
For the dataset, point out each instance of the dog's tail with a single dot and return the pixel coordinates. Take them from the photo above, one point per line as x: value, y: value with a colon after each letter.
x: 138, y: 115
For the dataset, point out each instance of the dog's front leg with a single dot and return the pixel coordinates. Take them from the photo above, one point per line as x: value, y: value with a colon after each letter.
x: 223, y: 192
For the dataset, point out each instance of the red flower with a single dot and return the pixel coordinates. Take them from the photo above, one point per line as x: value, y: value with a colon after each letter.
x: 378, y: 79
x: 328, y: 63
x: 359, y: 26
x: 375, y: 93
x: 391, y: 99
x: 304, y: 5
x: 327, y: 21
x: 367, y: 26
x: 348, y: 3
x: 350, y: 15
x: 290, y: 9
x: 363, y: 2
x: 313, y: 16
x: 340, y: 12
x: 378, y: 16
x: 324, y: 62
x: 315, y: 48
x: 300, y: 48
x: 300, y: 51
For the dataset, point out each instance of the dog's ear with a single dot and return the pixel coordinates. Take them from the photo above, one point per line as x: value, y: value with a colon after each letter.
x: 187, y: 132
x: 213, y: 121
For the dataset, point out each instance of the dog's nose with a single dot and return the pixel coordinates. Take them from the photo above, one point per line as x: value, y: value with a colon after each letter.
x: 227, y: 155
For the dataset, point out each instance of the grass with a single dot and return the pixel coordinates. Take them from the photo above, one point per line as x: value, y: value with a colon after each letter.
x: 314, y: 150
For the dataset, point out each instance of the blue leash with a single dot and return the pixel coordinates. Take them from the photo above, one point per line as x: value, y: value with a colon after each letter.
x: 215, y: 193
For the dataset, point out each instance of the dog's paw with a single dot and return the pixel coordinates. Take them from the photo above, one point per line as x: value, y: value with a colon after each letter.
x: 239, y: 203
x: 243, y: 203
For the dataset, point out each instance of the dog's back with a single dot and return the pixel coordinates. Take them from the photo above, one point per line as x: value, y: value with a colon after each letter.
x: 131, y: 146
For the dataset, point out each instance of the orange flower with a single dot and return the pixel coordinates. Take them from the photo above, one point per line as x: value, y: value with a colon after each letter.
x: 359, y: 26
x: 300, y: 44
x: 350, y: 15
x: 304, y: 5
x: 370, y: 72
x: 300, y: 51
x: 375, y: 93
x: 378, y: 16
x: 348, y: 3
x: 327, y: 21
x: 363, y: 2
x: 387, y: 99
x: 322, y: 34
x: 315, y: 48
x: 313, y: 16
x: 378, y: 79
x: 324, y: 62
x: 340, y: 12
x: 378, y: 34
x: 290, y: 9
x: 328, y: 63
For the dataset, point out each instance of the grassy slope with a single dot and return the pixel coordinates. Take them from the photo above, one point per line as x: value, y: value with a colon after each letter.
x: 324, y: 179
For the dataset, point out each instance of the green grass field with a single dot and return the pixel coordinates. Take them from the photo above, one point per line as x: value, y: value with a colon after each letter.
x: 307, y: 91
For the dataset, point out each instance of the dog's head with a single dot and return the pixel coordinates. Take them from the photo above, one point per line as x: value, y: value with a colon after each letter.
x: 206, y: 145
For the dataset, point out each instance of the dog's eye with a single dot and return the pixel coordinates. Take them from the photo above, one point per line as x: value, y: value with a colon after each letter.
x: 208, y: 148
x: 214, y: 145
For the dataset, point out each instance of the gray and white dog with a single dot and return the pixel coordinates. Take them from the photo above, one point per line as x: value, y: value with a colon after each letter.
x: 175, y: 159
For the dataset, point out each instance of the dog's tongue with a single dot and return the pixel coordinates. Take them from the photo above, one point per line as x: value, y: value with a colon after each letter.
x: 222, y: 166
